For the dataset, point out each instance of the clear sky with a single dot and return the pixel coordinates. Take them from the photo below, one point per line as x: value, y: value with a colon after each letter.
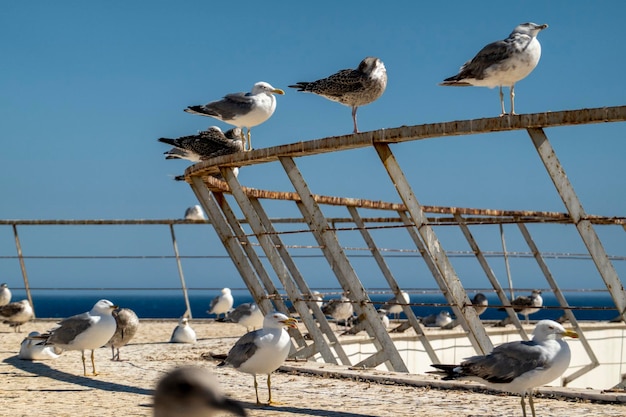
x: 86, y: 88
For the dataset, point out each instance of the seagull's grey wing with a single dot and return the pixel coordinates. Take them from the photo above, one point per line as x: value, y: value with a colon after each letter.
x: 336, y: 85
x: 243, y: 349
x: 522, y: 301
x: 330, y: 307
x: 228, y: 108
x: 214, y: 301
x: 242, y: 310
x: 69, y: 328
x: 490, y: 55
x: 390, y: 303
x: 11, y: 309
x: 505, y: 363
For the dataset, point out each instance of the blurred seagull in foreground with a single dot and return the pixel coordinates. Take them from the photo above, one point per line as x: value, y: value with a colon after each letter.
x: 518, y: 367
x: 242, y: 109
x: 205, y: 145
x: 192, y: 392
x: 351, y: 87
x: 222, y: 303
x: 127, y: 324
x: 502, y: 63
x: 183, y: 333
x: 263, y: 351
x: 194, y: 213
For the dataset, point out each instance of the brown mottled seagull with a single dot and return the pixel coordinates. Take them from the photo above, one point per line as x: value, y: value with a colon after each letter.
x: 502, y: 63
x: 207, y: 144
x: 242, y: 109
x: 127, y: 324
x: 351, y: 87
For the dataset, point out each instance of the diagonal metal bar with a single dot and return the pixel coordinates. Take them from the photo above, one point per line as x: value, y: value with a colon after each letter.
x: 490, y: 275
x: 393, y: 284
x: 343, y: 270
x: 281, y: 261
x: 18, y: 247
x: 180, y: 273
x: 578, y: 216
x: 563, y: 302
x: 455, y: 292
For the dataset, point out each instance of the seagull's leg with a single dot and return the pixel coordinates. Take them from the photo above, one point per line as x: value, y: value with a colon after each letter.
x: 256, y: 390
x: 523, y: 405
x: 502, y: 102
x: 93, y: 363
x: 513, y: 99
x: 243, y: 139
x: 82, y: 352
x: 532, y: 404
x: 269, y: 388
x: 249, y: 140
x: 356, y: 129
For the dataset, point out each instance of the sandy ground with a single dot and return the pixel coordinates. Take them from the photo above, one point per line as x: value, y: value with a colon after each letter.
x: 58, y: 387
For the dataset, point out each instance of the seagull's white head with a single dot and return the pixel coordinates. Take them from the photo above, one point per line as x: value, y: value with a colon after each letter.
x: 373, y: 67
x: 225, y: 291
x: 104, y: 307
x: 263, y: 87
x: 279, y: 320
x: 548, y: 329
x: 530, y: 29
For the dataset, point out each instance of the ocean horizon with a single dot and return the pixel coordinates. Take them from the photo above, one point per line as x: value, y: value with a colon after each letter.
x: 590, y: 306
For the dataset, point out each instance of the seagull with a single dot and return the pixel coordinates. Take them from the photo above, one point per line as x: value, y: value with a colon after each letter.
x: 5, y: 294
x: 192, y: 392
x: 222, y: 303
x: 242, y: 109
x: 520, y: 366
x: 183, y: 333
x: 351, y: 87
x: 440, y: 319
x: 248, y: 315
x: 263, y: 351
x: 392, y: 305
x: 480, y: 303
x: 89, y: 330
x: 194, y: 213
x: 127, y: 324
x: 30, y: 350
x: 17, y: 313
x: 359, y: 325
x: 339, y: 309
x: 502, y: 63
x: 205, y: 145
x: 527, y: 305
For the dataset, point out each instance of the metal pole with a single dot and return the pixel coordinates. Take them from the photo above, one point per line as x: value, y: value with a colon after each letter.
x: 180, y: 273
x: 506, y: 263
x: 23, y: 267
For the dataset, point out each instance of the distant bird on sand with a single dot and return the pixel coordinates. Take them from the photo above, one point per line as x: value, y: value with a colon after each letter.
x: 192, y: 392
x: 89, y: 330
x: 351, y: 87
x: 222, y: 303
x: 392, y: 305
x: 502, y: 63
x: 31, y: 350
x: 205, y: 145
x: 242, y: 109
x: 340, y: 309
x: 194, y: 213
x: 518, y: 367
x: 127, y: 324
x: 527, y: 305
x: 480, y: 303
x: 441, y: 319
x: 183, y: 333
x: 248, y: 315
x: 17, y: 313
x: 262, y: 351
x: 5, y: 294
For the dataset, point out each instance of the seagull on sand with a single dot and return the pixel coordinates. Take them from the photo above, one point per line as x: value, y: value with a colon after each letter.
x: 242, y: 109
x: 526, y: 305
x: 480, y: 303
x: 351, y: 87
x: 127, y: 324
x: 502, y: 63
x: 222, y: 303
x: 30, y: 350
x: 263, y: 351
x: 205, y: 145
x: 192, y: 392
x: 340, y: 309
x: 392, y: 305
x: 89, y: 330
x: 248, y: 315
x: 520, y: 366
x: 5, y: 294
x: 183, y: 333
x: 17, y: 313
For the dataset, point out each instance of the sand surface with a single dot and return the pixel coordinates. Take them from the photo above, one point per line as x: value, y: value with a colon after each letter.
x: 125, y: 388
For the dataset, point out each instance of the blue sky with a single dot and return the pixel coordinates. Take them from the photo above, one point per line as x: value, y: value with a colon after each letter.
x: 88, y: 87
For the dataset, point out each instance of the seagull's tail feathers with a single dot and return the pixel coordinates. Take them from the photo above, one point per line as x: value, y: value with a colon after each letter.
x: 168, y: 141
x: 448, y: 372
x: 201, y: 110
x: 454, y: 82
x: 302, y: 86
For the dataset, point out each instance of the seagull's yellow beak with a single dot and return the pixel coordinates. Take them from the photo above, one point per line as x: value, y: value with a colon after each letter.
x: 571, y: 333
x: 291, y: 322
x: 278, y: 91
x: 114, y: 307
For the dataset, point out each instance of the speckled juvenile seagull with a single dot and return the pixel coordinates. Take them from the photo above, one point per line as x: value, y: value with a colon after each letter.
x: 351, y: 87
x: 502, y: 63
x: 207, y: 144
x: 242, y: 109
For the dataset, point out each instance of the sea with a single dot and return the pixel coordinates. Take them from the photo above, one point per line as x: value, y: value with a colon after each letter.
x: 586, y: 305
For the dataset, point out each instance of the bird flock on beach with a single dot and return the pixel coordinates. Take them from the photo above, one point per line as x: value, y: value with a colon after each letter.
x: 517, y: 367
